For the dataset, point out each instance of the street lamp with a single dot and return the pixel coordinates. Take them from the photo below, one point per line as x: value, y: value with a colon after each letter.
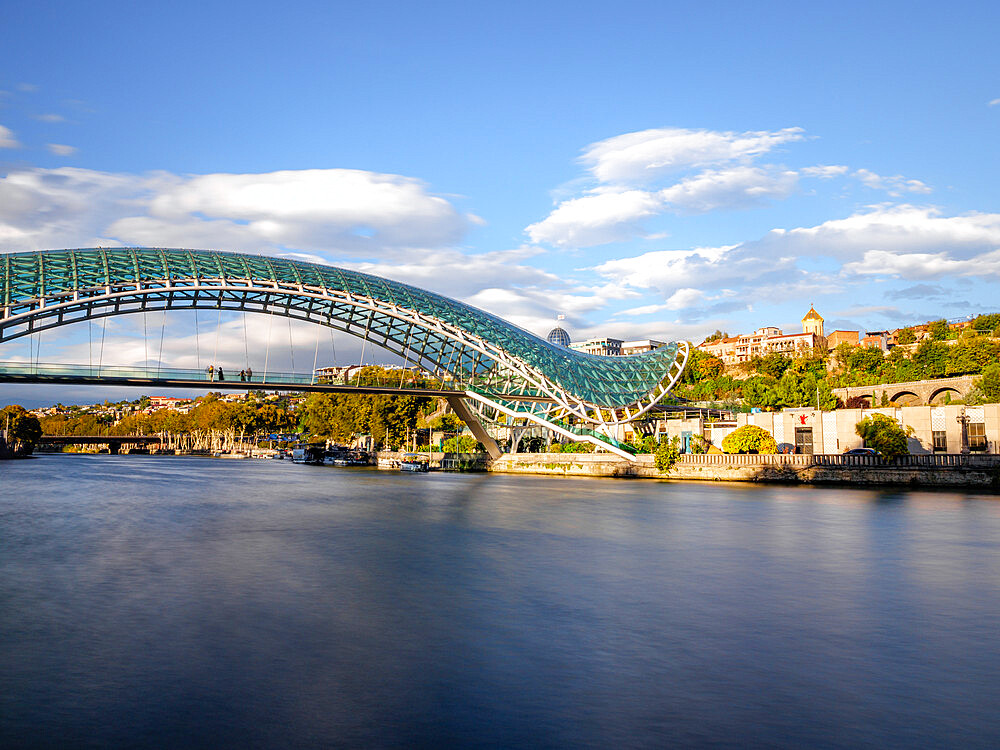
x: 963, y: 420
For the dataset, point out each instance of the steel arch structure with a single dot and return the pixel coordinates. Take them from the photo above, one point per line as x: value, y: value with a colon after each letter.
x: 481, y: 352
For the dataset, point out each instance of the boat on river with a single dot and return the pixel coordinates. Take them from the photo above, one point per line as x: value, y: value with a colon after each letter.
x: 414, y: 462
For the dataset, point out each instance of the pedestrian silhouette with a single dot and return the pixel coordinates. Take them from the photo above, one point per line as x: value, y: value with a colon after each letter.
x: 222, y: 375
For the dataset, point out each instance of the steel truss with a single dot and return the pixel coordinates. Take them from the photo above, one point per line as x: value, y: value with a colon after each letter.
x: 482, y: 353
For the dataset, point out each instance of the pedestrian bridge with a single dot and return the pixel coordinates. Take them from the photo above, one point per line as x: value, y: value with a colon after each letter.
x: 497, y: 367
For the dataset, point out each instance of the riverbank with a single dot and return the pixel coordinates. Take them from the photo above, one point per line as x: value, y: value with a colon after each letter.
x: 941, y: 470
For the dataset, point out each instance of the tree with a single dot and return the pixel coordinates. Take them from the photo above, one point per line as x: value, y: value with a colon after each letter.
x: 884, y: 435
x: 462, y: 444
x: 939, y: 330
x: 906, y: 336
x: 667, y: 453
x: 446, y: 423
x: 749, y: 439
x: 23, y: 429
x: 773, y: 365
x: 716, y: 336
x: 987, y: 390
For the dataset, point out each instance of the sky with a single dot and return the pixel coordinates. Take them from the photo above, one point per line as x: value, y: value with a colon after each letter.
x: 645, y: 169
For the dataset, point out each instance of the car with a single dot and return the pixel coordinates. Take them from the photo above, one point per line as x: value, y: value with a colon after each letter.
x: 860, y: 452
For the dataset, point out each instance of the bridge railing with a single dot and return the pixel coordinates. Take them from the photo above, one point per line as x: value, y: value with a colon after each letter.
x: 395, y: 380
x: 932, y: 460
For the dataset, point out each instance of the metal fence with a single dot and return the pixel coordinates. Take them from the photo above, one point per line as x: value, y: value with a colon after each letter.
x: 933, y: 460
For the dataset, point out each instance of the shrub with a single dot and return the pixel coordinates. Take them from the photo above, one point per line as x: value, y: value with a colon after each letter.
x: 462, y: 444
x: 749, y: 439
x: 884, y: 435
x: 667, y: 453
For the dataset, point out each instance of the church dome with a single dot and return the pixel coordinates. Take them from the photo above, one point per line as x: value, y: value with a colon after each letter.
x: 812, y: 314
x: 558, y: 336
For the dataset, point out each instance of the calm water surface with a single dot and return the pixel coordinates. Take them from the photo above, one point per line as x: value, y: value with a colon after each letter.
x: 184, y: 602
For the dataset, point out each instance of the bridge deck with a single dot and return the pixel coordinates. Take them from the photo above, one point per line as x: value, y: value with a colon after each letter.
x: 58, y: 374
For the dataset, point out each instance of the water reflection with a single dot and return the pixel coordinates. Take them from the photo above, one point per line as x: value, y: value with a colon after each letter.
x: 187, y: 602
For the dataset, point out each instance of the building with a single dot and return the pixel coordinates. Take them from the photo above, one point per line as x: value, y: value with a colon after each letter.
x: 760, y: 343
x: 768, y: 340
x: 638, y: 347
x: 607, y: 346
x: 883, y: 340
x: 935, y: 429
x: 813, y: 322
x: 558, y: 336
x: 836, y: 338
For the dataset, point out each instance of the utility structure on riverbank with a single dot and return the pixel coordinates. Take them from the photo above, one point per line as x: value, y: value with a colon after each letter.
x: 490, y: 370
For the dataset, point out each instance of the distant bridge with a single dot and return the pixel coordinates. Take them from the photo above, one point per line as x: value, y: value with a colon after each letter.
x: 114, y: 442
x: 913, y: 393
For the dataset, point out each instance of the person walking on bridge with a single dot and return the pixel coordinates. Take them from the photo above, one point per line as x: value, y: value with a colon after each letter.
x: 210, y: 373
x: 222, y: 374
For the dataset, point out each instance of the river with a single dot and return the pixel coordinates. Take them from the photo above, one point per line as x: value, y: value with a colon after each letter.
x: 186, y: 602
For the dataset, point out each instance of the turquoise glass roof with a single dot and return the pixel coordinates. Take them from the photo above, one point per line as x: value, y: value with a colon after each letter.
x: 56, y: 275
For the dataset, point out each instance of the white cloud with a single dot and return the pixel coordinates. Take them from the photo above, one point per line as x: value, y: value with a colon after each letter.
x: 736, y: 187
x: 596, y: 219
x: 924, y: 265
x: 7, y: 139
x: 895, y: 185
x: 61, y: 149
x: 50, y: 118
x: 647, y: 155
x: 824, y: 171
x: 993, y: 102
x: 332, y: 210
x: 893, y: 228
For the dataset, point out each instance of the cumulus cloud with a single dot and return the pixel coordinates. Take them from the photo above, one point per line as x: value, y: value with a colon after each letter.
x: 7, y: 139
x: 647, y: 155
x: 825, y: 171
x: 61, y: 149
x: 596, y: 219
x: 892, y: 228
x: 626, y: 168
x: 737, y: 187
x: 895, y: 185
x: 331, y: 210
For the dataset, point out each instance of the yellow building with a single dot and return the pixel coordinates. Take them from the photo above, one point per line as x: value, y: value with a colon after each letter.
x: 813, y: 322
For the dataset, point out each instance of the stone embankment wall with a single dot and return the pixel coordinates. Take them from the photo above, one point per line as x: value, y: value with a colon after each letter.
x: 932, y: 471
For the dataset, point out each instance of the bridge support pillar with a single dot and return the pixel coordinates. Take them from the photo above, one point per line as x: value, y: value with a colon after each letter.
x: 466, y: 415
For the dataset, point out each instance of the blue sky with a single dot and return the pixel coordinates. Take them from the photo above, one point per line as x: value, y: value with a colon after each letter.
x: 646, y: 169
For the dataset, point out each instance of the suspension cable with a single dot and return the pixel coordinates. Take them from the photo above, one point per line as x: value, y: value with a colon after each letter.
x: 312, y: 378
x: 218, y: 328
x: 145, y: 337
x: 246, y: 346
x: 159, y: 354
x: 267, y: 350
x: 291, y: 346
x: 197, y: 335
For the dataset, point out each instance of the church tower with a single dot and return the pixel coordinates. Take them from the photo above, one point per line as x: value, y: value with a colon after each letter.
x: 813, y: 322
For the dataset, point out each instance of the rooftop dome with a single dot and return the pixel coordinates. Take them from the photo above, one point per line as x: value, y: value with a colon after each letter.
x: 812, y: 314
x: 558, y: 336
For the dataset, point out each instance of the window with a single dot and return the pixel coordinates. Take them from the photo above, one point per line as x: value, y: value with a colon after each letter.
x: 803, y: 440
x: 977, y: 436
x: 940, y: 440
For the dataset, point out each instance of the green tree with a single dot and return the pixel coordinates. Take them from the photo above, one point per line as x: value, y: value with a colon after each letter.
x: 939, y: 330
x: 906, y: 336
x: 884, y: 435
x: 772, y: 365
x: 667, y: 452
x: 22, y: 427
x: 749, y: 439
x: 462, y: 444
x: 987, y: 389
